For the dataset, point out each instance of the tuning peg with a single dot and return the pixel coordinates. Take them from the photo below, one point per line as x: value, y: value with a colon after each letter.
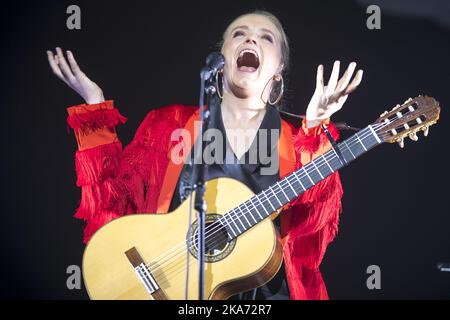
x: 401, y: 143
x: 407, y: 100
x: 383, y: 114
x: 396, y: 107
x: 425, y: 130
x: 413, y: 136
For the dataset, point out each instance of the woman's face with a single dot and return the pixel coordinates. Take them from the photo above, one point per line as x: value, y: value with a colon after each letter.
x: 252, y: 52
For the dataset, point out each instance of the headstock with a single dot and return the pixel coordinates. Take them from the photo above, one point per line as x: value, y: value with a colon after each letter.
x: 406, y: 120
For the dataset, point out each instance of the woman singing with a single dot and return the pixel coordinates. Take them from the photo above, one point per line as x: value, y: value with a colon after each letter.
x: 117, y: 182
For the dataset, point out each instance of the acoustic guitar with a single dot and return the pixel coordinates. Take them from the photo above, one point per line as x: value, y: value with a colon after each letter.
x: 145, y: 256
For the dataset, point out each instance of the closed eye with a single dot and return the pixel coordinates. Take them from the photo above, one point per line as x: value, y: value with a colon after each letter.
x: 268, y: 38
x: 238, y: 33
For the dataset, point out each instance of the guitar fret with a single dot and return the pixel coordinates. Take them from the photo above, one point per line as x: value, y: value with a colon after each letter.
x: 326, y: 161
x: 306, y: 171
x: 278, y: 184
x: 323, y: 166
x: 234, y: 222
x: 314, y: 164
x: 245, y: 217
x: 375, y: 134
x: 237, y: 218
x: 262, y: 205
x: 237, y: 215
x: 361, y: 142
x: 257, y: 211
x: 270, y: 202
x: 287, y: 180
x: 345, y: 142
x: 334, y: 162
x: 270, y: 188
x: 248, y: 210
x: 301, y: 184
x: 225, y: 218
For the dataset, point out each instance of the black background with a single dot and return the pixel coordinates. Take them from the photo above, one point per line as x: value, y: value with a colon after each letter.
x: 146, y: 54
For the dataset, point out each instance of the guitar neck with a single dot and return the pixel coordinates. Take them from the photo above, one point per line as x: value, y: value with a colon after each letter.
x: 261, y: 205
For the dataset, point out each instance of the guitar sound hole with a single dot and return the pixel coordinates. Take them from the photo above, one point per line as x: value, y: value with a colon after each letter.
x: 216, y: 238
x: 217, y: 243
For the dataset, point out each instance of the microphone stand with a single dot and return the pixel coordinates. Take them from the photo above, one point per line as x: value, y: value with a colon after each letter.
x: 206, y: 87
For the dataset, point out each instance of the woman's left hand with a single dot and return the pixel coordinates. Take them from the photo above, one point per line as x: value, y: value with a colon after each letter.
x: 328, y: 99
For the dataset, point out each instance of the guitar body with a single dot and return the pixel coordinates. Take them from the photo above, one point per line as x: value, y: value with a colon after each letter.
x: 248, y: 261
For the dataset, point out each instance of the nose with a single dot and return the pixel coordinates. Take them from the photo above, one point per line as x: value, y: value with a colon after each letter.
x: 250, y: 40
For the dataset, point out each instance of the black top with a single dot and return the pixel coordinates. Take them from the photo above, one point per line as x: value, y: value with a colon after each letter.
x: 245, y: 169
x: 264, y: 150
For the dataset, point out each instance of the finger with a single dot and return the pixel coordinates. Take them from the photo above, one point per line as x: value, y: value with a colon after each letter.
x: 319, y: 78
x: 343, y: 82
x: 65, y: 69
x: 355, y: 83
x: 340, y: 102
x: 57, y: 61
x: 54, y: 64
x: 336, y: 106
x: 73, y: 64
x: 331, y: 86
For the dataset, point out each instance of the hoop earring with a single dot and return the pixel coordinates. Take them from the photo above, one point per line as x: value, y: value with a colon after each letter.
x: 217, y: 84
x: 280, y: 79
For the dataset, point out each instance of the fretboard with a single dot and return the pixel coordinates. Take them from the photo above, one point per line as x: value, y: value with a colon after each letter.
x: 263, y: 204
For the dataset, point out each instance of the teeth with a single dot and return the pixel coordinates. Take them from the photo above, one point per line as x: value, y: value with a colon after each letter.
x: 248, y: 50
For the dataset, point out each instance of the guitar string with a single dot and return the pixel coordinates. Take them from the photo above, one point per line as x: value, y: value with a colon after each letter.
x: 168, y: 272
x: 236, y: 215
x: 243, y: 213
x: 270, y: 198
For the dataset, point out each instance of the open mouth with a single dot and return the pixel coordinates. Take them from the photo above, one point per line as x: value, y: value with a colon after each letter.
x: 248, y: 60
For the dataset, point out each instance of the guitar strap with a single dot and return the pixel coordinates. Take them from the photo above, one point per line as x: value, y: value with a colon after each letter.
x: 334, y: 145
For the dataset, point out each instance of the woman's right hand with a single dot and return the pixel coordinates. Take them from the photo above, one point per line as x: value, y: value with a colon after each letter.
x: 71, y: 74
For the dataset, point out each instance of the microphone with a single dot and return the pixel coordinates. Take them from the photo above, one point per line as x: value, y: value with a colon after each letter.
x: 214, y: 62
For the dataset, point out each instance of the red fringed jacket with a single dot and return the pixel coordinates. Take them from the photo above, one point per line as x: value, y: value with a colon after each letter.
x: 140, y: 178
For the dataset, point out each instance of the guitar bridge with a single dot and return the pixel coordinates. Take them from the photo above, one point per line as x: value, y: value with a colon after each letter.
x: 142, y: 271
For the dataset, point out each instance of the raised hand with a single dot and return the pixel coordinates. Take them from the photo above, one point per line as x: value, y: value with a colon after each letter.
x: 71, y: 74
x: 328, y: 99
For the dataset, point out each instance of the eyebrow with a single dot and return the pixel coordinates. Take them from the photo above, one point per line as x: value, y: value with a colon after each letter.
x: 246, y: 28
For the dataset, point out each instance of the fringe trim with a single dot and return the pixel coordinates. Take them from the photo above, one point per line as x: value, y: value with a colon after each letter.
x: 115, y: 182
x: 313, y: 224
x: 317, y: 207
x: 107, y: 195
x: 311, y: 143
x: 95, y: 119
x: 97, y: 164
